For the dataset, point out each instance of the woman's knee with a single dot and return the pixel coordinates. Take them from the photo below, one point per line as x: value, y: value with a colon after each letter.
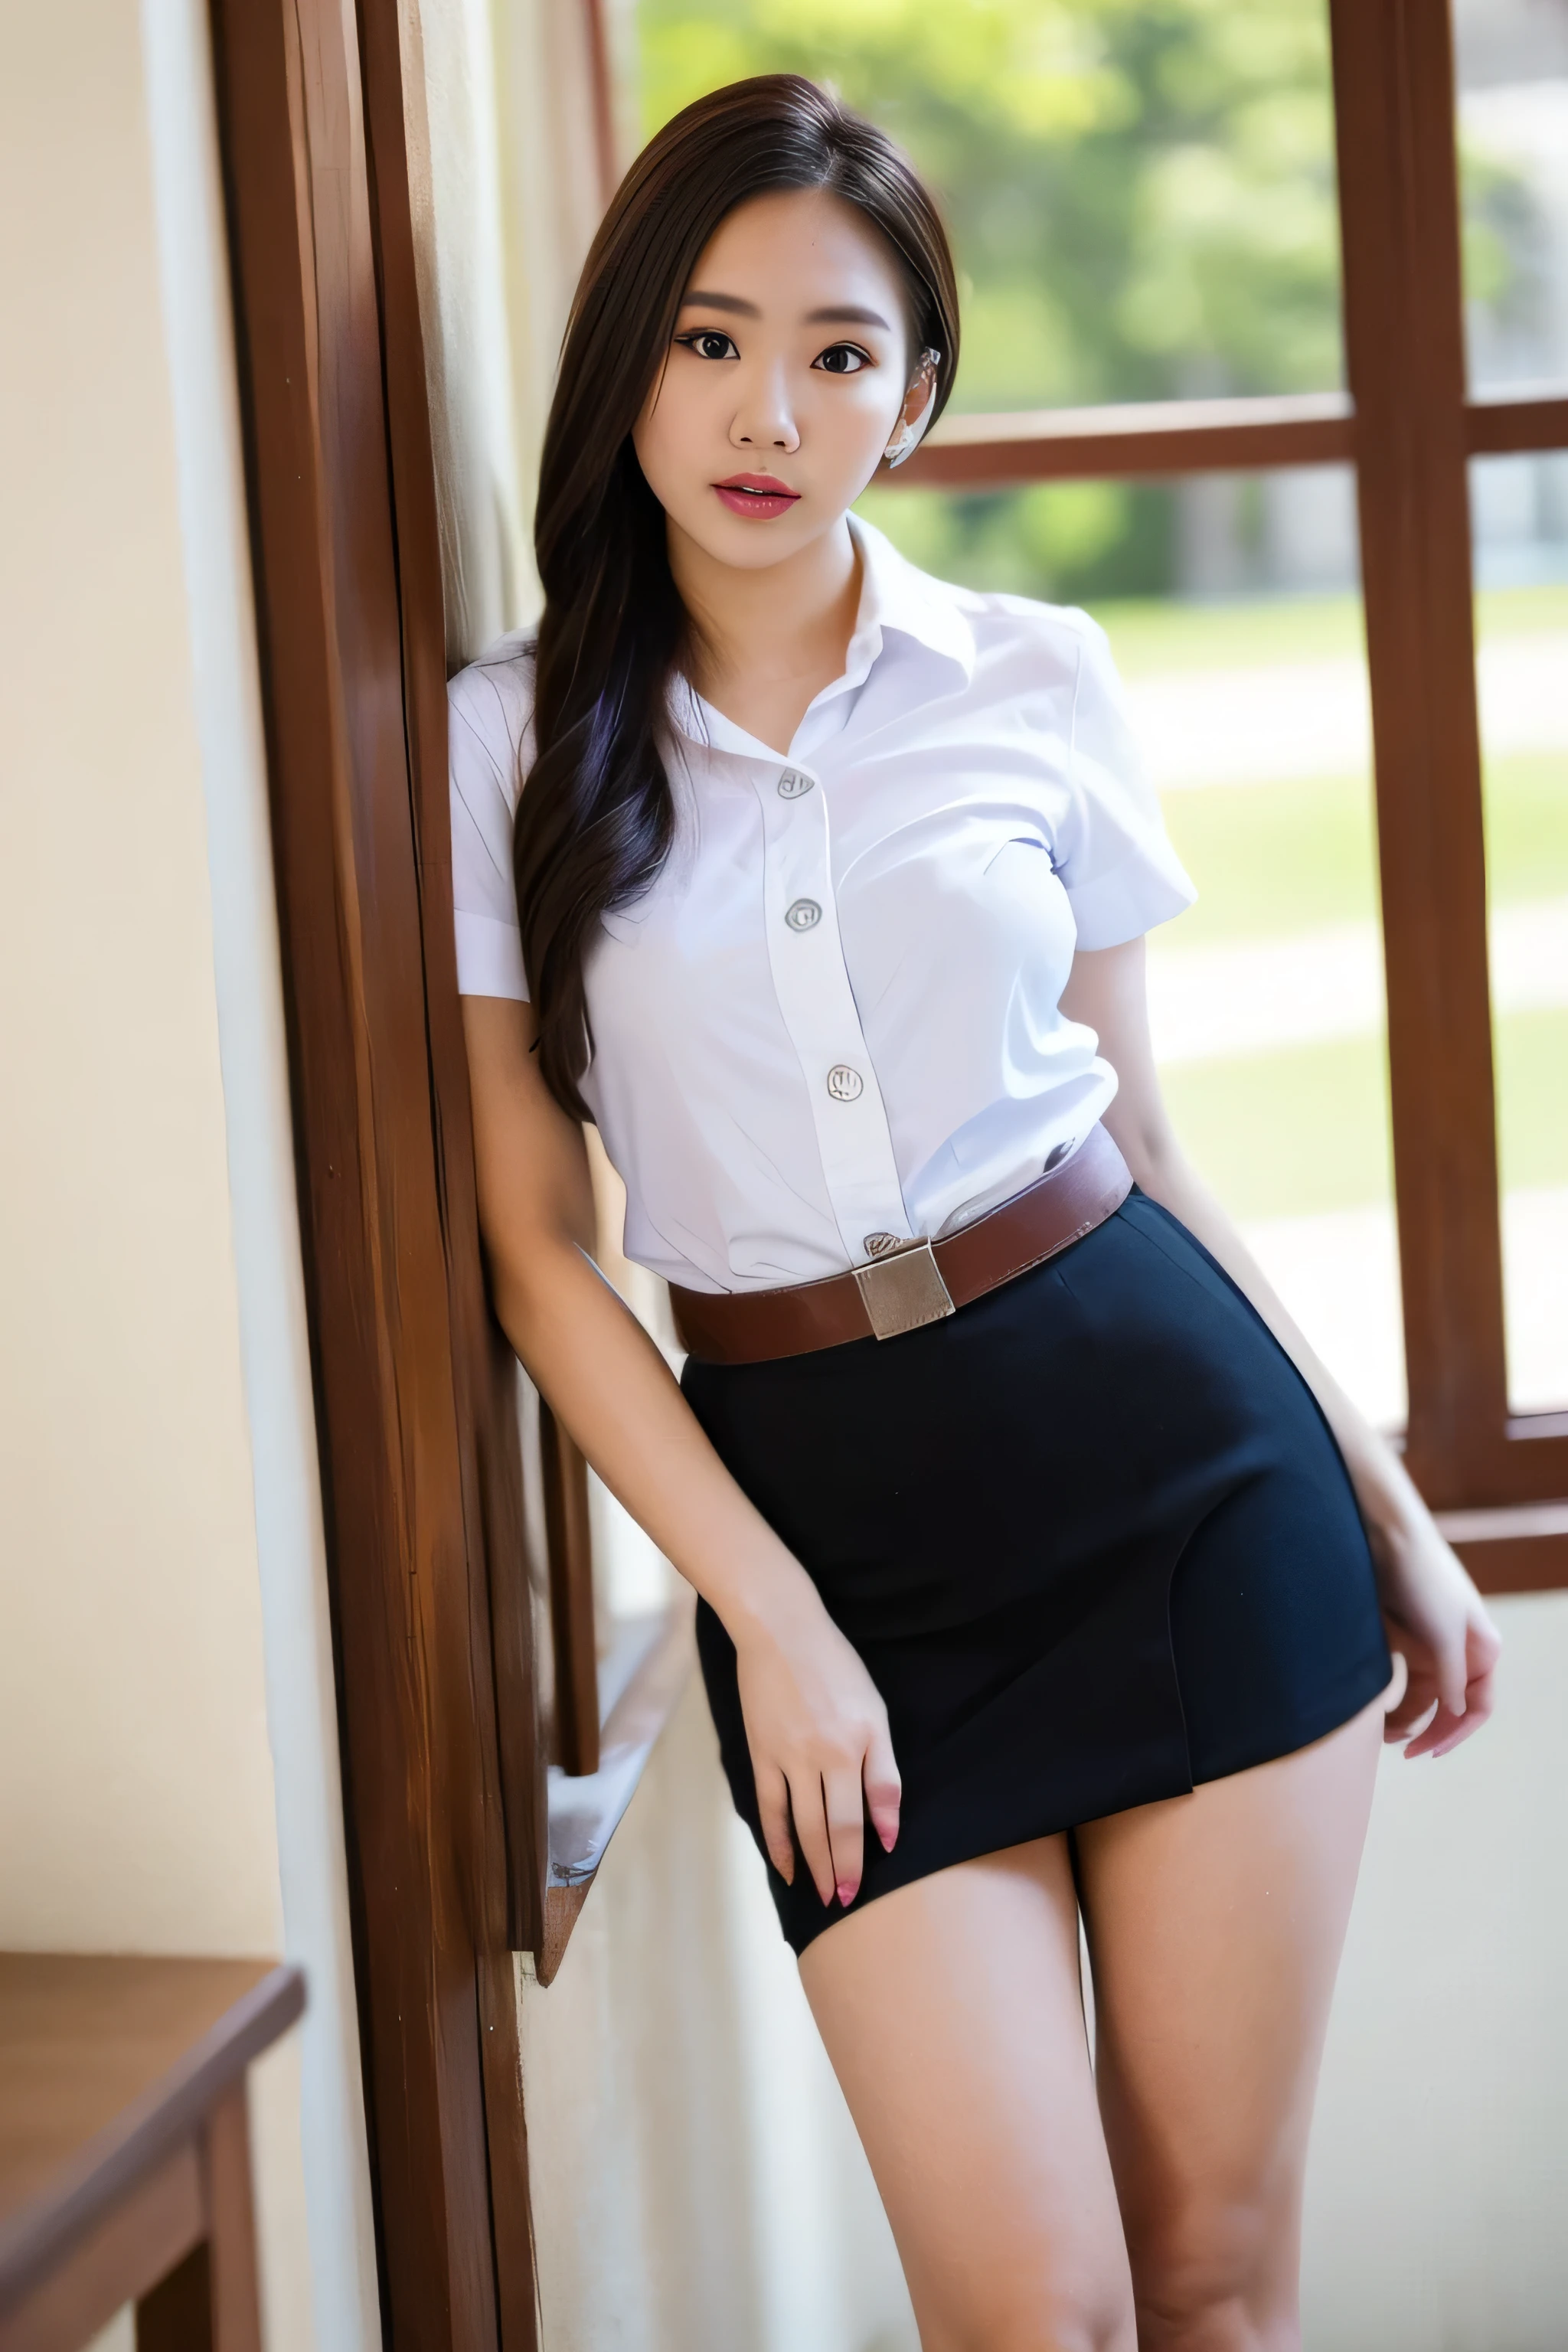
x: 1052, y: 2315
x: 1218, y: 2278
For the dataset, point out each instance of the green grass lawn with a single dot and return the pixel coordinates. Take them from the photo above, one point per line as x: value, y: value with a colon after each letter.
x: 1289, y: 1134
x: 1153, y: 636
x: 1527, y: 826
x: 1532, y: 1066
x: 1269, y: 858
x: 1305, y: 1131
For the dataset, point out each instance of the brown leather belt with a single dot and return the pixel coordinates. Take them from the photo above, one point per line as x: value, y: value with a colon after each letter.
x: 917, y: 1284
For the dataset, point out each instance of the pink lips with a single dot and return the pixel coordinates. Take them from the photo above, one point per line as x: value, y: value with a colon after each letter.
x: 761, y: 496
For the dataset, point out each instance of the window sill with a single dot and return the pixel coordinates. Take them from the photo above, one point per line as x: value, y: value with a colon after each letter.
x: 641, y: 1683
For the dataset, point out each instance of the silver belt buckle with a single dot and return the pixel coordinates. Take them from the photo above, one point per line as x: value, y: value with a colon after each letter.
x: 903, y: 1290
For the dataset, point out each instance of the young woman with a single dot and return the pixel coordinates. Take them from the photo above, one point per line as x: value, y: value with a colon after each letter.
x: 1025, y: 1521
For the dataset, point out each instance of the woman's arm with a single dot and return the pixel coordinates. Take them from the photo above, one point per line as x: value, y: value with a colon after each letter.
x: 817, y: 1728
x: 1436, y: 1617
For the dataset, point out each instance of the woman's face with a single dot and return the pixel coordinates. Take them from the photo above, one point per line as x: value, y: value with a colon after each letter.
x: 788, y: 376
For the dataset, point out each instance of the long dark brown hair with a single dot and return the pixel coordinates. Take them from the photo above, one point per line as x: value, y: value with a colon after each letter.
x: 595, y: 819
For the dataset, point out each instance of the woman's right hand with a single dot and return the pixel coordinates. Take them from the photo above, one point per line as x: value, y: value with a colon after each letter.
x: 820, y: 1745
x: 817, y: 1728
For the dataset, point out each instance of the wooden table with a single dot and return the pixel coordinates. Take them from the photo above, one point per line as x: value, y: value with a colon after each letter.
x: 124, y: 2149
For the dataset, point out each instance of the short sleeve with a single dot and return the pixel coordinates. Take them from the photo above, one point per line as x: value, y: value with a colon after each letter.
x: 1113, y: 854
x: 490, y: 744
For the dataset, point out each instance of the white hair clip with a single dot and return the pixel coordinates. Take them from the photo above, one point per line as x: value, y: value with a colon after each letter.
x: 909, y: 437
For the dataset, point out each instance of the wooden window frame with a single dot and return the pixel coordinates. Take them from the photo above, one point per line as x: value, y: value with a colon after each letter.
x: 1497, y: 1479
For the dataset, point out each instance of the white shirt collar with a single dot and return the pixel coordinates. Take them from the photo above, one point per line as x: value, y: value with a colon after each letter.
x: 893, y: 596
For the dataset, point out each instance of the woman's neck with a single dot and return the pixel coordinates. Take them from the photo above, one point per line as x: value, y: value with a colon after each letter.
x: 766, y: 642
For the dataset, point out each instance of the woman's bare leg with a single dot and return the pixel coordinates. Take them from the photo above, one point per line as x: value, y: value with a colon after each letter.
x: 951, y: 2012
x: 1215, y: 1923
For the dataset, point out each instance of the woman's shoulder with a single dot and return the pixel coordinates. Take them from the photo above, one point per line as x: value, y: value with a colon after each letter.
x: 988, y: 622
x: 1062, y: 635
x: 490, y: 701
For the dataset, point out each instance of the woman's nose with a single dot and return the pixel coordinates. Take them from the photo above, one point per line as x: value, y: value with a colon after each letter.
x: 764, y: 419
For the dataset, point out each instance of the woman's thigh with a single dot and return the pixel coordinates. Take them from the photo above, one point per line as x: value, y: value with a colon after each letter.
x: 952, y: 2012
x: 1215, y: 1923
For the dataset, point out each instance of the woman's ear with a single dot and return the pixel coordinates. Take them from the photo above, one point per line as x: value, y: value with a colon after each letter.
x: 915, y: 414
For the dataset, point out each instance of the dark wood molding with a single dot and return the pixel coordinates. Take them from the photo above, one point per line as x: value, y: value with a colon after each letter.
x: 1504, y: 423
x: 1195, y: 435
x: 508, y: 1907
x: 1525, y: 1550
x: 484, y: 1364
x: 419, y: 1473
x: 569, y: 1548
x: 1399, y: 219
x: 1153, y: 437
x: 1167, y: 437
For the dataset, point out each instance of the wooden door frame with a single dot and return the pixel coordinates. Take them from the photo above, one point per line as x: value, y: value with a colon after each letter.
x: 415, y: 1398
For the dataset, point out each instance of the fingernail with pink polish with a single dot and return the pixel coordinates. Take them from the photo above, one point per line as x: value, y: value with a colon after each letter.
x: 847, y: 1891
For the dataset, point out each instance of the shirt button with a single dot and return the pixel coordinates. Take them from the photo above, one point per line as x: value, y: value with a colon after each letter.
x: 878, y: 1244
x: 804, y: 916
x: 844, y: 1083
x: 791, y: 783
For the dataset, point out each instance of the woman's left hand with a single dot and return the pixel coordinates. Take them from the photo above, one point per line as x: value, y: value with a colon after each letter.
x: 1439, y: 1623
x: 1436, y: 1618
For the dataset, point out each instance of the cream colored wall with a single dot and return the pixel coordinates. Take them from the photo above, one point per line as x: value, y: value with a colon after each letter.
x: 137, y: 1784
x: 1439, y: 2171
x: 139, y: 1800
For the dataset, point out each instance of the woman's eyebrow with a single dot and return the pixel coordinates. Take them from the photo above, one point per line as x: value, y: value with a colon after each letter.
x: 847, y: 314
x: 731, y: 302
x: 833, y: 314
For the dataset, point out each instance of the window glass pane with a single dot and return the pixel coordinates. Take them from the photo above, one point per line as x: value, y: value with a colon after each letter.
x: 1141, y: 195
x: 1521, y: 506
x: 1512, y: 63
x: 1267, y: 997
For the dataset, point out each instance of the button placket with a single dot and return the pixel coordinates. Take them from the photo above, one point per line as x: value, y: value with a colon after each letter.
x: 812, y: 985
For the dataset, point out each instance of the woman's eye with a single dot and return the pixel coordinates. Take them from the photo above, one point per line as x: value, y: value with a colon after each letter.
x: 709, y: 344
x: 843, y: 359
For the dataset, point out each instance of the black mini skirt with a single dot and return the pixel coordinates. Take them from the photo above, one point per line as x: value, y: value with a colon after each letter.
x: 1091, y: 1535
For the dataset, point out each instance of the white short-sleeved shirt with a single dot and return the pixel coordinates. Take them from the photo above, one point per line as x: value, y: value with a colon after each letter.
x: 835, y: 1017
